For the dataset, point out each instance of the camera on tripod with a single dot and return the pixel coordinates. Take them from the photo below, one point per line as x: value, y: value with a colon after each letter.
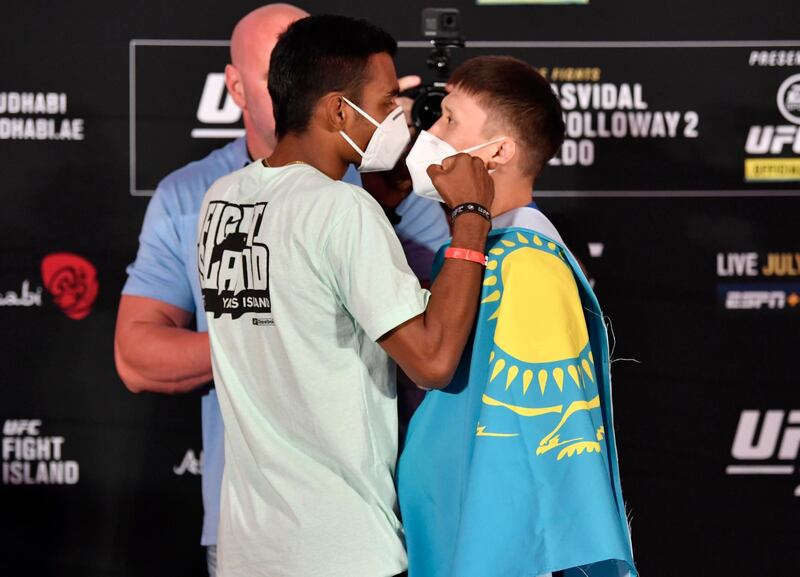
x: 443, y: 27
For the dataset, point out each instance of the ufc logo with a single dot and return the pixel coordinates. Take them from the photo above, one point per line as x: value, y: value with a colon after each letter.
x: 776, y: 426
x: 216, y: 105
x: 17, y: 427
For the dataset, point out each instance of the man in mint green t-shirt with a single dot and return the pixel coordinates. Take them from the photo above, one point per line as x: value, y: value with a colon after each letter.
x: 309, y: 300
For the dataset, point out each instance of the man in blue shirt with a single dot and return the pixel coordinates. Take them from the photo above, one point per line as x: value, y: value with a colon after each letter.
x: 155, y: 350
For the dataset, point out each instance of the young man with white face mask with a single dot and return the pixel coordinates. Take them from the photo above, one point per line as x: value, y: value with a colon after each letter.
x: 512, y: 469
x: 308, y: 298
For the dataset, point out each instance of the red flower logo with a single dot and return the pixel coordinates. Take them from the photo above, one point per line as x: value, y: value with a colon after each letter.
x: 72, y: 280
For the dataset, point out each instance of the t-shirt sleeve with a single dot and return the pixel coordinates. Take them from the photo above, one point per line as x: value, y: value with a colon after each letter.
x: 159, y: 271
x: 369, y: 272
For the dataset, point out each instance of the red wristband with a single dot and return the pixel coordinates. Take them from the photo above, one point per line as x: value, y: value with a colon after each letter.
x: 466, y: 254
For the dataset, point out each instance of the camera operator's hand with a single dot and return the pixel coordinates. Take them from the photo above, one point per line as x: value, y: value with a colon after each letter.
x: 463, y: 178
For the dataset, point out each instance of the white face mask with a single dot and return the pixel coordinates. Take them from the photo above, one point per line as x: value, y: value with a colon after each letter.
x: 387, y: 142
x: 428, y: 150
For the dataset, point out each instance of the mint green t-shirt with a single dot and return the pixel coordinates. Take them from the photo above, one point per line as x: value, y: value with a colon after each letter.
x: 301, y: 275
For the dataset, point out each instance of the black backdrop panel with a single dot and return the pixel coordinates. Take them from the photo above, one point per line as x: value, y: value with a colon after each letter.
x: 196, y: 115
x: 641, y: 121
x: 695, y: 262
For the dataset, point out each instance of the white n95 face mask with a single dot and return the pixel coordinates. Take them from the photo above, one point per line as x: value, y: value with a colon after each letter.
x: 428, y: 150
x: 387, y: 142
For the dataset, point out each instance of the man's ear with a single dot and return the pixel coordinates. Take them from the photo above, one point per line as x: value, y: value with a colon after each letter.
x: 506, y: 150
x: 233, y: 81
x: 334, y: 111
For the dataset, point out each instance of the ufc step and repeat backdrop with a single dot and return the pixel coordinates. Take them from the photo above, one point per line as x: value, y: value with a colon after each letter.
x: 678, y: 187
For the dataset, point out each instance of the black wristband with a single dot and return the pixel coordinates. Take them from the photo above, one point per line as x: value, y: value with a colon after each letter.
x: 470, y: 207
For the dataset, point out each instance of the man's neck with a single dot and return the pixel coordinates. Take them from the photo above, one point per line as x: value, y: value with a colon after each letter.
x: 256, y: 149
x: 257, y: 146
x: 310, y: 149
x: 511, y: 193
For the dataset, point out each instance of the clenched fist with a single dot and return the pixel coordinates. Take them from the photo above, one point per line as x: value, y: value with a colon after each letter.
x: 462, y: 178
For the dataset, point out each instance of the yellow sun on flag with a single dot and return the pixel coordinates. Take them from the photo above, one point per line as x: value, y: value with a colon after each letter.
x: 539, y: 314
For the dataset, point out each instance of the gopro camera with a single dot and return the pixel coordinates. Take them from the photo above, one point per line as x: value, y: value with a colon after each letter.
x: 441, y: 23
x: 443, y: 27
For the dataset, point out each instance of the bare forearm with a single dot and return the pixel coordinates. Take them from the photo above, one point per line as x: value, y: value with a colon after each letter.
x: 164, y: 359
x: 450, y: 314
x: 431, y: 345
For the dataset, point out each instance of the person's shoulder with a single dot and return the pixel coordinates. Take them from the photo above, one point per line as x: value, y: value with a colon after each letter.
x: 239, y: 179
x: 526, y: 218
x: 336, y: 195
x: 190, y: 182
x: 353, y: 193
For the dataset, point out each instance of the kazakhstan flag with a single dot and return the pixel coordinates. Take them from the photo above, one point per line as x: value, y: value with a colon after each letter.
x: 511, y: 471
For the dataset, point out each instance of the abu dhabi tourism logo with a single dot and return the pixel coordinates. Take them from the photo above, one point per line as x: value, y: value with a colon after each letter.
x: 28, y: 115
x: 25, y: 297
x: 72, y: 282
x: 191, y: 464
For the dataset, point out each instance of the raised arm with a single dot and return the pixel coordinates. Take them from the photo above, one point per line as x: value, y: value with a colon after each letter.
x: 429, y: 346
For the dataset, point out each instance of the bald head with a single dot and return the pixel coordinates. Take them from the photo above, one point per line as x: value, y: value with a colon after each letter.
x: 252, y: 42
x: 256, y: 34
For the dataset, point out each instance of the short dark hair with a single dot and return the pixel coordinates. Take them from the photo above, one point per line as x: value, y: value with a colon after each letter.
x: 318, y: 55
x: 518, y: 99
